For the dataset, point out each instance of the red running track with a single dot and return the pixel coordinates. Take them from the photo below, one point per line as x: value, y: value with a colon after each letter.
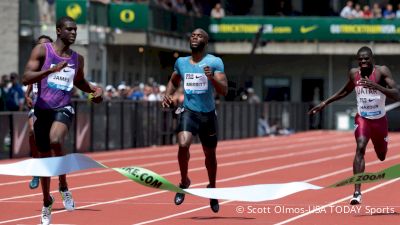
x: 104, y: 197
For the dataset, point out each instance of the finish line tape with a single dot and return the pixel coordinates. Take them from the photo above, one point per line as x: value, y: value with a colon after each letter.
x: 55, y: 166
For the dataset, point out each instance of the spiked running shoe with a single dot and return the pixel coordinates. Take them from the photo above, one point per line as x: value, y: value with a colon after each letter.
x: 214, y: 204
x: 68, y: 201
x: 45, y: 219
x: 180, y: 197
x: 34, y: 182
x: 356, y: 198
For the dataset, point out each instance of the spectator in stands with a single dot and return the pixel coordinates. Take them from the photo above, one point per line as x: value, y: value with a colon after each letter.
x: 110, y: 92
x: 357, y: 12
x: 284, y: 8
x: 15, y: 95
x: 217, y: 12
x: 179, y: 6
x: 347, y: 10
x: 194, y: 8
x: 3, y: 83
x: 252, y: 97
x: 165, y: 4
x: 376, y: 11
x: 155, y: 94
x: 388, y: 13
x: 366, y: 13
x: 263, y: 128
x: 398, y: 11
x: 46, y: 10
x: 137, y: 92
x: 162, y: 89
x: 147, y: 91
x: 123, y: 91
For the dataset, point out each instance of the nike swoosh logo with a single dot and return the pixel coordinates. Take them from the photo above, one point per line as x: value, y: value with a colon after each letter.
x: 82, y: 136
x: 305, y: 30
x: 19, y: 139
x: 66, y: 71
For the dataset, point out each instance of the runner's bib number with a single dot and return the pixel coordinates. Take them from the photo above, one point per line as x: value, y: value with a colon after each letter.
x: 63, y: 80
x: 195, y: 83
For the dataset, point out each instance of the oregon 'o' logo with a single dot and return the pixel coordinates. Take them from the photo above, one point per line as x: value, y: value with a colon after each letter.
x: 127, y: 16
x: 74, y: 11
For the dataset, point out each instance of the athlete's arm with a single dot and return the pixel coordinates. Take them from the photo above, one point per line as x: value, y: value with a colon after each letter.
x: 28, y: 98
x: 32, y: 72
x: 172, y: 86
x: 218, y: 79
x: 343, y: 92
x: 391, y: 87
x: 81, y: 83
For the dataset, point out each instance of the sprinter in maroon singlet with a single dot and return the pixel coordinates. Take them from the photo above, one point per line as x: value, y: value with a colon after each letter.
x: 372, y: 84
x: 56, y: 69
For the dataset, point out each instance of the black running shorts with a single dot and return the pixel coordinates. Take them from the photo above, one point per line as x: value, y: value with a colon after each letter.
x: 203, y: 124
x: 44, y: 121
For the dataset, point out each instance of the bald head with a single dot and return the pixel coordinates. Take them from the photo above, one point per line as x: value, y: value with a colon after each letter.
x: 203, y: 32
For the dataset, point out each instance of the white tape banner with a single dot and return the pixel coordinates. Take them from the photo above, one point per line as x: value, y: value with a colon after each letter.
x: 254, y: 193
x: 47, y: 167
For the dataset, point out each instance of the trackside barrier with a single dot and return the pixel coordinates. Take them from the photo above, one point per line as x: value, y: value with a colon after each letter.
x: 121, y: 124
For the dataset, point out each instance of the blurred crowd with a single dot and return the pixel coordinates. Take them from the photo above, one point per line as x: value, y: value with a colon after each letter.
x: 190, y: 7
x: 215, y: 9
x: 12, y: 93
x: 136, y: 92
x: 12, y: 96
x: 355, y: 10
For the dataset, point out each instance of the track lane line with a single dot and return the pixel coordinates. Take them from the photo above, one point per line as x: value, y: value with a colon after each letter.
x: 336, y: 202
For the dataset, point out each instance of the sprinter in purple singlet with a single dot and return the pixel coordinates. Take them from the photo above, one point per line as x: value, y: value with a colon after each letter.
x: 372, y: 84
x: 56, y: 68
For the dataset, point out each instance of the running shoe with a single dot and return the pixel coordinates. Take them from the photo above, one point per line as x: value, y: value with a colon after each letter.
x: 45, y: 219
x: 180, y: 197
x: 68, y: 201
x: 356, y: 198
x: 214, y: 204
x: 34, y: 182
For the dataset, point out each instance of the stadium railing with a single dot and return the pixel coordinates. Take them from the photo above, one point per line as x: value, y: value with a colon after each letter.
x: 121, y: 124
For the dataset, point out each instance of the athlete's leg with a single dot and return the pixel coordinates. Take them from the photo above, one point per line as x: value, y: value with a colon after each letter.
x: 209, y: 148
x: 45, y: 182
x: 359, y: 161
x: 209, y: 144
x: 187, y: 128
x: 211, y: 164
x: 42, y: 129
x: 32, y: 143
x: 34, y: 183
x: 362, y: 136
x: 184, y: 141
x: 209, y: 140
x: 379, y: 137
x: 58, y: 133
